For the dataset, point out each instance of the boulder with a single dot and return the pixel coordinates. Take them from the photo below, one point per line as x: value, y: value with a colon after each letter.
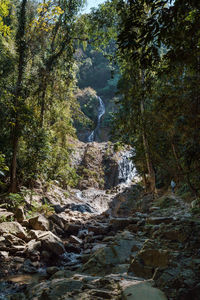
x: 104, y: 260
x: 52, y: 243
x: 148, y: 259
x: 39, y: 223
x: 154, y: 257
x: 140, y: 290
x: 54, y: 289
x: 14, y: 228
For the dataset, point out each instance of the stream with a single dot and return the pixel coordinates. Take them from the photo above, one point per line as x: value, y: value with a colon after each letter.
x: 93, y: 202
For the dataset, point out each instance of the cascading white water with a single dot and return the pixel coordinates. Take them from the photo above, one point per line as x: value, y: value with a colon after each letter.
x: 101, y: 112
x: 126, y: 168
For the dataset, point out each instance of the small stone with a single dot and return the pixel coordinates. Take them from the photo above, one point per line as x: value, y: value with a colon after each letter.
x: 52, y: 270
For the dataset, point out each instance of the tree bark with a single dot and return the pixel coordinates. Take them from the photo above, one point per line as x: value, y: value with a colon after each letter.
x: 151, y: 172
x: 21, y: 48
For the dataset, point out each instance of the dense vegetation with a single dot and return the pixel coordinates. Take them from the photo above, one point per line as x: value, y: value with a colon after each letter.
x: 159, y: 113
x: 156, y: 48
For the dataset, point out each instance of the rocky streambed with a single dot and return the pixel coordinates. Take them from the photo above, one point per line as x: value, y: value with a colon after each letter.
x: 118, y: 243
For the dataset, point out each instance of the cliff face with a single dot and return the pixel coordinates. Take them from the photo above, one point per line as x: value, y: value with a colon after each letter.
x: 99, y: 166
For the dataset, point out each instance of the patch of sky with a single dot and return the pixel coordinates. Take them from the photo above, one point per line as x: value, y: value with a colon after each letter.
x: 90, y: 4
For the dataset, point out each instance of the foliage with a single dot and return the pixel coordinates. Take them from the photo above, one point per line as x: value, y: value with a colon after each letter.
x: 159, y: 107
x: 4, y: 12
x: 37, y: 80
x: 46, y: 209
x: 15, y: 200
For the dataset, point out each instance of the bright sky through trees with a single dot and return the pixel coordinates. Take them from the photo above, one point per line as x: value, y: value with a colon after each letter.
x: 92, y: 3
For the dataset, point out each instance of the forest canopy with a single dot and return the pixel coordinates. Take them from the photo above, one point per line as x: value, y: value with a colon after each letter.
x: 154, y: 49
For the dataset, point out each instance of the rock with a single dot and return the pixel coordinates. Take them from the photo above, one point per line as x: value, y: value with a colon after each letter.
x: 159, y: 220
x: 98, y: 246
x: 72, y: 248
x: 14, y: 228
x: 52, y: 270
x: 12, y: 240
x: 56, y: 220
x: 62, y: 274
x: 5, y: 215
x: 52, y: 243
x: 54, y: 289
x: 175, y: 234
x: 32, y: 246
x: 39, y: 223
x: 140, y: 290
x: 75, y: 240
x: 72, y: 228
x: 121, y: 223
x: 154, y: 257
x: 19, y: 214
x: 80, y: 207
x: 4, y: 254
x: 98, y: 230
x: 18, y: 259
x: 148, y: 259
x: 104, y: 260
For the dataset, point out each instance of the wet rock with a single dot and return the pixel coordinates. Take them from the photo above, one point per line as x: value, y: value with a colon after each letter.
x: 39, y: 223
x: 80, y: 207
x: 14, y: 227
x: 28, y: 267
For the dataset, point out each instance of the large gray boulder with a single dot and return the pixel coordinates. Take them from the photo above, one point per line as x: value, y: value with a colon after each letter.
x: 140, y: 290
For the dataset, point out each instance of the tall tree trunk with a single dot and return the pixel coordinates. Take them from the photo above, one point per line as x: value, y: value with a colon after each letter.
x: 151, y: 172
x: 21, y: 49
x: 13, y: 175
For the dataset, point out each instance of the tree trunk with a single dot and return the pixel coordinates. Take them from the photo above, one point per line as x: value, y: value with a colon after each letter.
x: 21, y: 49
x: 151, y: 172
x: 13, y: 174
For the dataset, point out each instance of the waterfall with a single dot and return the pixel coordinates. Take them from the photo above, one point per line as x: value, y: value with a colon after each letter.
x: 126, y: 168
x: 101, y: 112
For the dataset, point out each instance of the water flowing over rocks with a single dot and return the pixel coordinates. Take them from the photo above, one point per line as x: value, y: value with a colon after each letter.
x: 104, y: 241
x: 101, y: 112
